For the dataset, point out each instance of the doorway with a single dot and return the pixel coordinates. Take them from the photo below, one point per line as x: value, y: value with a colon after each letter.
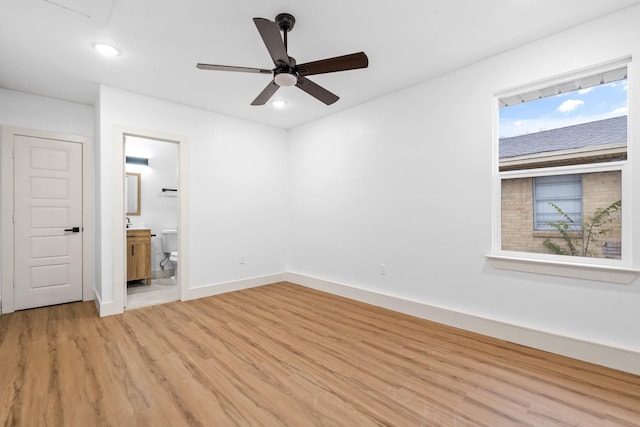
x: 118, y: 233
x: 46, y: 219
x: 151, y: 221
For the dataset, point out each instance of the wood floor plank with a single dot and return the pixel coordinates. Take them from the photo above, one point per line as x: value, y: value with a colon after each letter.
x: 287, y: 355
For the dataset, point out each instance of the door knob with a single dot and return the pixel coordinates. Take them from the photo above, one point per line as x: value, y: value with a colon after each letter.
x: 74, y: 229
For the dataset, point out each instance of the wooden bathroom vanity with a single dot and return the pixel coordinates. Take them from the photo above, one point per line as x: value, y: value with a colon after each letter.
x: 139, y: 254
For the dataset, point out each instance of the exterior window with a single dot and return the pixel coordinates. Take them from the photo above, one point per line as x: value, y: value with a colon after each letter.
x: 561, y: 151
x: 563, y: 191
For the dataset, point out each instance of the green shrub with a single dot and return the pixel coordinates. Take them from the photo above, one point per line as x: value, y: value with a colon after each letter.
x: 578, y: 235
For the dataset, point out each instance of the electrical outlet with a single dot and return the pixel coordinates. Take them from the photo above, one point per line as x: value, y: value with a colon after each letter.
x: 241, y: 259
x: 383, y: 269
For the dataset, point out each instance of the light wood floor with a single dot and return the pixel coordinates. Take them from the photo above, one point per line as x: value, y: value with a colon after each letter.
x: 286, y: 355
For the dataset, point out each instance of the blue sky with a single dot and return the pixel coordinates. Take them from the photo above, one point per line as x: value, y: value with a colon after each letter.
x: 571, y: 108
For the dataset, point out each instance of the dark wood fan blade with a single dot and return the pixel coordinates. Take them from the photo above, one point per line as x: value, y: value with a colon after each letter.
x: 232, y: 68
x: 330, y: 65
x: 266, y: 94
x: 270, y: 33
x: 316, y: 91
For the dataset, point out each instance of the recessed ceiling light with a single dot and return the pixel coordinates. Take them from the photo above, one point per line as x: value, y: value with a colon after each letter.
x: 106, y: 49
x: 278, y: 103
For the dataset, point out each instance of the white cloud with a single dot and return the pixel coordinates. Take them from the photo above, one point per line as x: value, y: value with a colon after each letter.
x: 586, y: 90
x: 622, y: 111
x: 569, y: 105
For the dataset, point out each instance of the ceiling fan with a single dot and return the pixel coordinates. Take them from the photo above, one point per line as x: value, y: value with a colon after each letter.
x: 286, y: 71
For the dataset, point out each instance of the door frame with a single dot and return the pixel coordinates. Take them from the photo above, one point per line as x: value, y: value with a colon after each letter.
x: 120, y: 132
x: 6, y: 199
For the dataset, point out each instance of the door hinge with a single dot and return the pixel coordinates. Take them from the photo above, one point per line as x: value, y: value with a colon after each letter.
x: 13, y: 153
x: 13, y: 218
x: 13, y: 282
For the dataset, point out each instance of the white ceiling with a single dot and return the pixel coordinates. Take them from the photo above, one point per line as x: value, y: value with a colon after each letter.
x: 45, y: 48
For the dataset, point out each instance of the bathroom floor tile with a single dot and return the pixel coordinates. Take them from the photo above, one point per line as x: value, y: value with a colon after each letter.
x: 159, y: 292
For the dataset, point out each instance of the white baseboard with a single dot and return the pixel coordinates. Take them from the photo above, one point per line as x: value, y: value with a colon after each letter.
x: 221, y: 288
x: 600, y: 354
x: 104, y: 309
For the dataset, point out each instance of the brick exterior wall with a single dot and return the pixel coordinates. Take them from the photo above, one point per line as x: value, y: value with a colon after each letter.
x: 599, y: 190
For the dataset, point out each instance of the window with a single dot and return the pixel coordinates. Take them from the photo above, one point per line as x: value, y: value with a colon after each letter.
x: 563, y: 191
x: 561, y: 152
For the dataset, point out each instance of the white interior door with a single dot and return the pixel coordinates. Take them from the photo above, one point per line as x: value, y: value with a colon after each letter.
x: 47, y: 221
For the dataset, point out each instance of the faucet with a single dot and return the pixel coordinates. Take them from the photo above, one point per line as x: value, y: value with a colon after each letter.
x: 128, y: 221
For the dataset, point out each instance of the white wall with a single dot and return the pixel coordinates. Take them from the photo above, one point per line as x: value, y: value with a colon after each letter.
x: 406, y: 181
x: 237, y: 178
x: 37, y: 112
x: 159, y: 210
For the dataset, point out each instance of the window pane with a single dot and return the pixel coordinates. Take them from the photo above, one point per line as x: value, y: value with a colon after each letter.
x: 591, y: 200
x: 580, y: 121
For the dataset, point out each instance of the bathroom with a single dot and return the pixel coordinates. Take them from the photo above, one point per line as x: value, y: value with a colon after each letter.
x: 151, y: 218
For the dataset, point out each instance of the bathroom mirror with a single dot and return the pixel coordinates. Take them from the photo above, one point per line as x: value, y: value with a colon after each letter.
x: 132, y: 183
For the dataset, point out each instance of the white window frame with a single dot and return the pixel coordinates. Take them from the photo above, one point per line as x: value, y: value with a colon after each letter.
x: 622, y: 270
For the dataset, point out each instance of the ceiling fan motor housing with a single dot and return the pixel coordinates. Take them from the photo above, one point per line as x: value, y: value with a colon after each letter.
x: 286, y: 75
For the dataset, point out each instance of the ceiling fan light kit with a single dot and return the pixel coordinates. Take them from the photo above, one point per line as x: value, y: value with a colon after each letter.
x: 285, y: 79
x: 286, y: 71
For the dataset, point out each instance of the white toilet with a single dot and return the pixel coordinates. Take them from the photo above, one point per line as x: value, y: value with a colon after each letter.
x: 170, y: 244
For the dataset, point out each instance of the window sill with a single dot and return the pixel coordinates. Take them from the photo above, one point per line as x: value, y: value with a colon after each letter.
x: 550, y: 234
x: 602, y: 273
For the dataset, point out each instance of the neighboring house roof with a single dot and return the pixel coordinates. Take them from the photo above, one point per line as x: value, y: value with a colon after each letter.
x: 601, y: 132
x: 596, y: 141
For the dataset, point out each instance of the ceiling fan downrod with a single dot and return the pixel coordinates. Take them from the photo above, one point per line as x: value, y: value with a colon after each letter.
x: 285, y: 22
